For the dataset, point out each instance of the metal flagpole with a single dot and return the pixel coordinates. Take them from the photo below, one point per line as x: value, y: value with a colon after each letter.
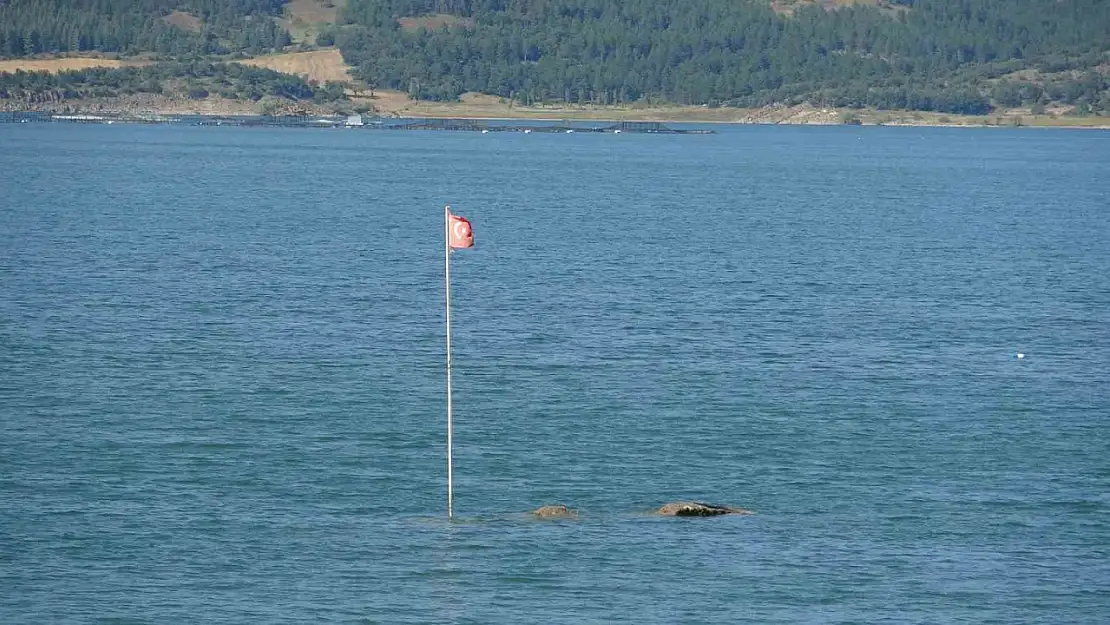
x: 447, y: 289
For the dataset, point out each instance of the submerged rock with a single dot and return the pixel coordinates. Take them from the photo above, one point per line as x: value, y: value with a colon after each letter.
x: 695, y: 508
x: 557, y: 511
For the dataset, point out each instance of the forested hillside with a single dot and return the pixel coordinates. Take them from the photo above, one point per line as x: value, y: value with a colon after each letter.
x: 953, y: 56
x: 942, y: 55
x: 166, y: 27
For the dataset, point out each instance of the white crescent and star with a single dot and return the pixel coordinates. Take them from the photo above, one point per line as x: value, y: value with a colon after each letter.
x: 461, y: 230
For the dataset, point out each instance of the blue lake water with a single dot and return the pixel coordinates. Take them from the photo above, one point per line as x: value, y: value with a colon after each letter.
x: 222, y: 388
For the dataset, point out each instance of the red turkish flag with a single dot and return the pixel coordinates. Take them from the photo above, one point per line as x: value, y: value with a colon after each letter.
x: 461, y: 234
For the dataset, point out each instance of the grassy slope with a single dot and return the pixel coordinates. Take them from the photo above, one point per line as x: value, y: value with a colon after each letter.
x: 63, y: 64
x: 319, y: 65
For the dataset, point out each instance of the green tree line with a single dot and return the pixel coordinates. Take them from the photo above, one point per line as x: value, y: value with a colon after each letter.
x: 941, y: 55
x: 193, y: 79
x: 30, y: 27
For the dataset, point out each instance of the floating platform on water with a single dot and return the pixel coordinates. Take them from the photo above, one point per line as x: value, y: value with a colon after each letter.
x: 359, y: 122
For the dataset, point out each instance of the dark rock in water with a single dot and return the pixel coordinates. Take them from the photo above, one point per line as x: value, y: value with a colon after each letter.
x: 694, y: 508
x: 557, y: 511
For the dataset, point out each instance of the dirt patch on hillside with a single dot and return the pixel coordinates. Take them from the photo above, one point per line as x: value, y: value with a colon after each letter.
x: 304, y: 19
x: 318, y: 65
x: 788, y: 7
x: 184, y: 21
x: 314, y: 11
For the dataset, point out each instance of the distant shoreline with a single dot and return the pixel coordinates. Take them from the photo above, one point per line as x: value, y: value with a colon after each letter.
x: 478, y: 106
x: 151, y: 110
x: 240, y: 119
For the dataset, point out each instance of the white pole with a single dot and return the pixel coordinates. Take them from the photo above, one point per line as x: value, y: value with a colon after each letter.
x: 447, y: 289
